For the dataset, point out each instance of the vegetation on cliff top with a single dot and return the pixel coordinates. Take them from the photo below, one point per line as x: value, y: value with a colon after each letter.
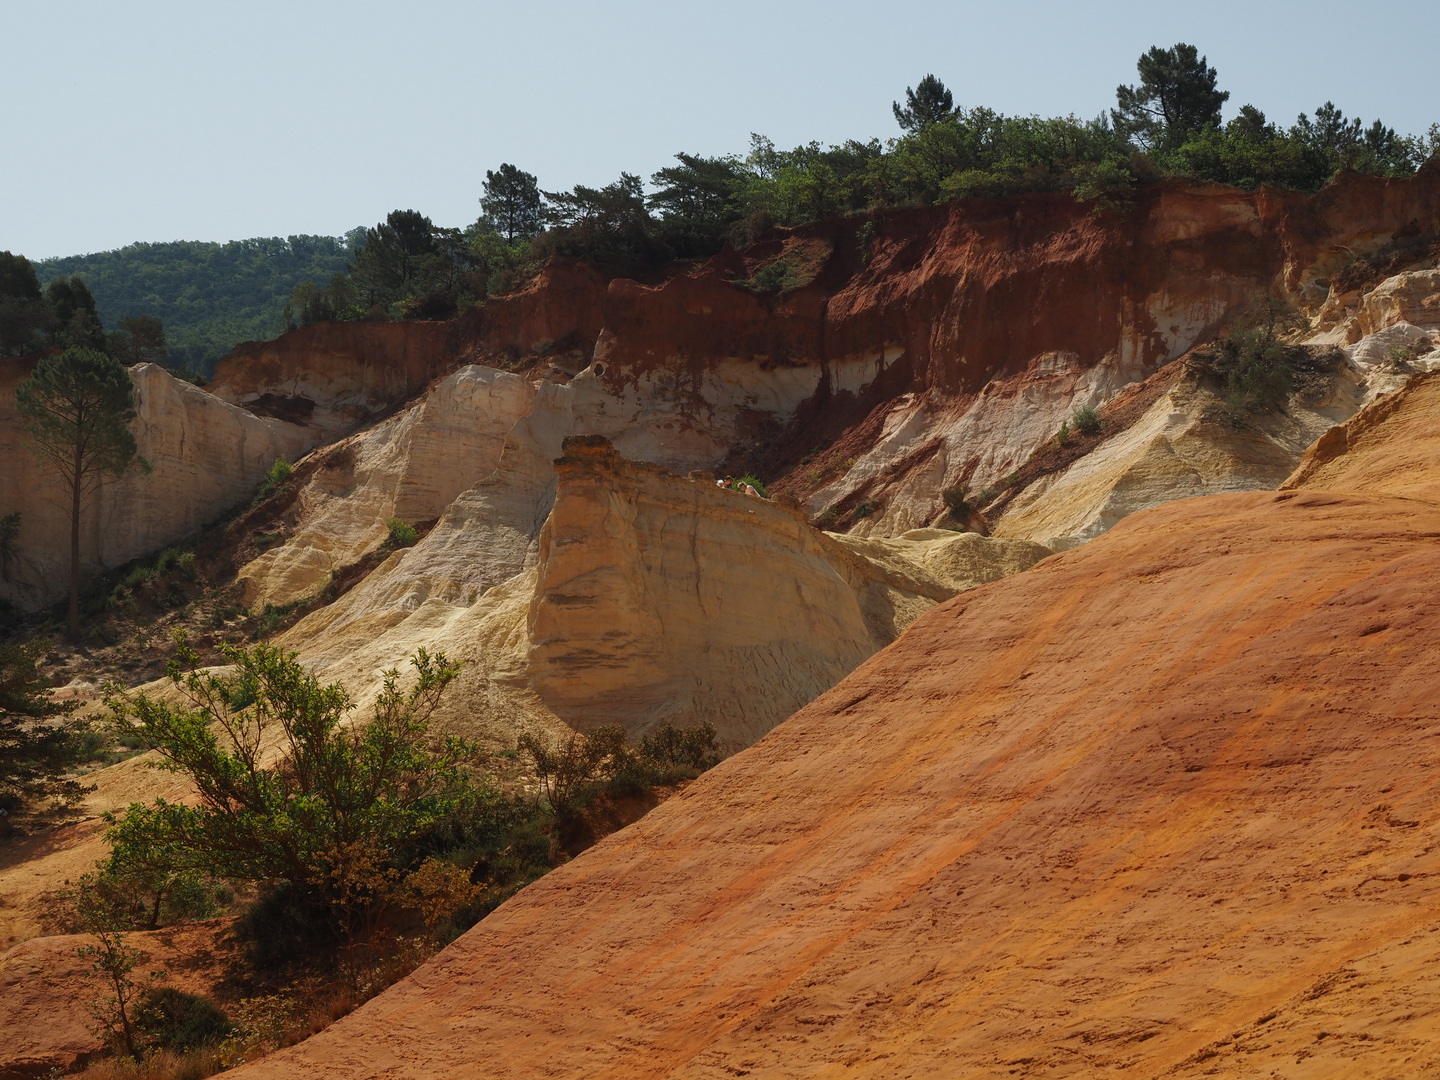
x: 212, y: 296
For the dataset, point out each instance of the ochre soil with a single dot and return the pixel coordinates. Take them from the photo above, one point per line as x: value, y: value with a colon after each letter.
x: 1167, y: 804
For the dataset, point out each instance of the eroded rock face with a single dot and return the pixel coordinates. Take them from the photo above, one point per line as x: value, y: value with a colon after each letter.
x: 662, y: 598
x: 205, y: 457
x: 1187, y: 767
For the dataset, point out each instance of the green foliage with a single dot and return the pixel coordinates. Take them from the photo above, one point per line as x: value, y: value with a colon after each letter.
x: 512, y: 203
x: 697, y: 202
x: 1251, y: 365
x: 564, y: 768
x: 928, y: 103
x: 275, y: 478
x: 171, y: 1019
x: 750, y: 479
x: 1087, y: 421
x: 866, y: 508
x: 112, y: 964
x: 954, y: 499
x: 409, y: 266
x: 140, y: 339
x: 333, y: 815
x: 401, y: 534
x: 609, y: 224
x: 150, y: 873
x: 310, y: 303
x: 76, y: 407
x: 1176, y: 97
x: 671, y: 750
x: 76, y: 321
x: 9, y: 538
x: 209, y: 296
x: 1063, y: 435
x: 25, y: 318
x: 39, y: 741
x: 572, y: 769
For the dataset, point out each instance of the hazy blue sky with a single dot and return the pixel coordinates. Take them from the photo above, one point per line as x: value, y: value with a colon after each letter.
x: 215, y: 121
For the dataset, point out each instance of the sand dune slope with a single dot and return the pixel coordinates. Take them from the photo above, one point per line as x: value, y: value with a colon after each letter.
x: 1167, y: 804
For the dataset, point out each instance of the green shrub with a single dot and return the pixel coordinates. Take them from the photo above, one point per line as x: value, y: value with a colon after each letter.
x: 751, y: 479
x: 866, y: 508
x: 954, y: 498
x: 335, y: 811
x: 186, y: 563
x: 174, y: 1020
x: 1087, y: 421
x: 987, y: 496
x: 1255, y: 376
x: 401, y: 534
x: 279, y: 472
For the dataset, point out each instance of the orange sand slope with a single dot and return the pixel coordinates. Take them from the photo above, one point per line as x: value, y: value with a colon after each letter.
x: 1167, y: 804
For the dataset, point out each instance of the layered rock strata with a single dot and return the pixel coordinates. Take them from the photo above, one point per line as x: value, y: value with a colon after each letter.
x: 199, y: 457
x: 1163, y: 804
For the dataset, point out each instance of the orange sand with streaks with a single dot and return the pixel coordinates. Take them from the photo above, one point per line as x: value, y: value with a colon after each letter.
x: 1167, y: 804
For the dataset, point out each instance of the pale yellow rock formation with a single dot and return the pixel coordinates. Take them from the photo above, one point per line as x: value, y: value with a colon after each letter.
x: 1173, y: 452
x: 662, y: 598
x: 412, y: 466
x: 202, y: 458
x: 1405, y: 298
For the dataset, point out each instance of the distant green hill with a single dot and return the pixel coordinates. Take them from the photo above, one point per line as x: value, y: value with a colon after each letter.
x: 210, y: 296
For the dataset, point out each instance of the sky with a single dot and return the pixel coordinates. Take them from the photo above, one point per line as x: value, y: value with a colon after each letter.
x: 133, y: 121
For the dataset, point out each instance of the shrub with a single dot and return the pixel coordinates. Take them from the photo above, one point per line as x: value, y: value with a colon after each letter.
x: 866, y: 508
x: 1087, y: 421
x: 1254, y: 375
x: 1063, y: 435
x: 401, y: 534
x: 174, y: 1020
x: 751, y: 479
x: 275, y: 477
x: 954, y: 498
x: 564, y: 768
x: 331, y: 814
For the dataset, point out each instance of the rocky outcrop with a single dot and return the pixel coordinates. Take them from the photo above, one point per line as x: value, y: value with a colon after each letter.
x: 1390, y: 447
x: 611, y: 591
x: 661, y: 598
x: 331, y: 377
x: 1163, y: 804
x: 199, y: 457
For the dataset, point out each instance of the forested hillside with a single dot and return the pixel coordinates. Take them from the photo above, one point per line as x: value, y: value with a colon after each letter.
x: 210, y: 296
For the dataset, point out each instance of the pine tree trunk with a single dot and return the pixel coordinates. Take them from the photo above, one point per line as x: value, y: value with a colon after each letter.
x: 74, y: 621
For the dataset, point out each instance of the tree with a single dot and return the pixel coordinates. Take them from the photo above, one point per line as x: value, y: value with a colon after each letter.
x: 9, y: 542
x: 1175, y: 98
x: 386, y: 268
x: 39, y: 742
x: 139, y: 340
x: 512, y: 203
x: 696, y: 202
x: 76, y: 319
x: 335, y: 813
x: 24, y: 315
x: 928, y: 103
x: 609, y: 223
x: 76, y: 407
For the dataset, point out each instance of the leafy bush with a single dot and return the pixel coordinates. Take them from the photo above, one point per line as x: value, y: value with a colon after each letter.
x: 1087, y: 421
x: 175, y: 1020
x: 401, y: 534
x: 1251, y: 364
x: 39, y: 741
x: 566, y: 767
x: 332, y: 816
x: 751, y: 479
x: 866, y: 508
